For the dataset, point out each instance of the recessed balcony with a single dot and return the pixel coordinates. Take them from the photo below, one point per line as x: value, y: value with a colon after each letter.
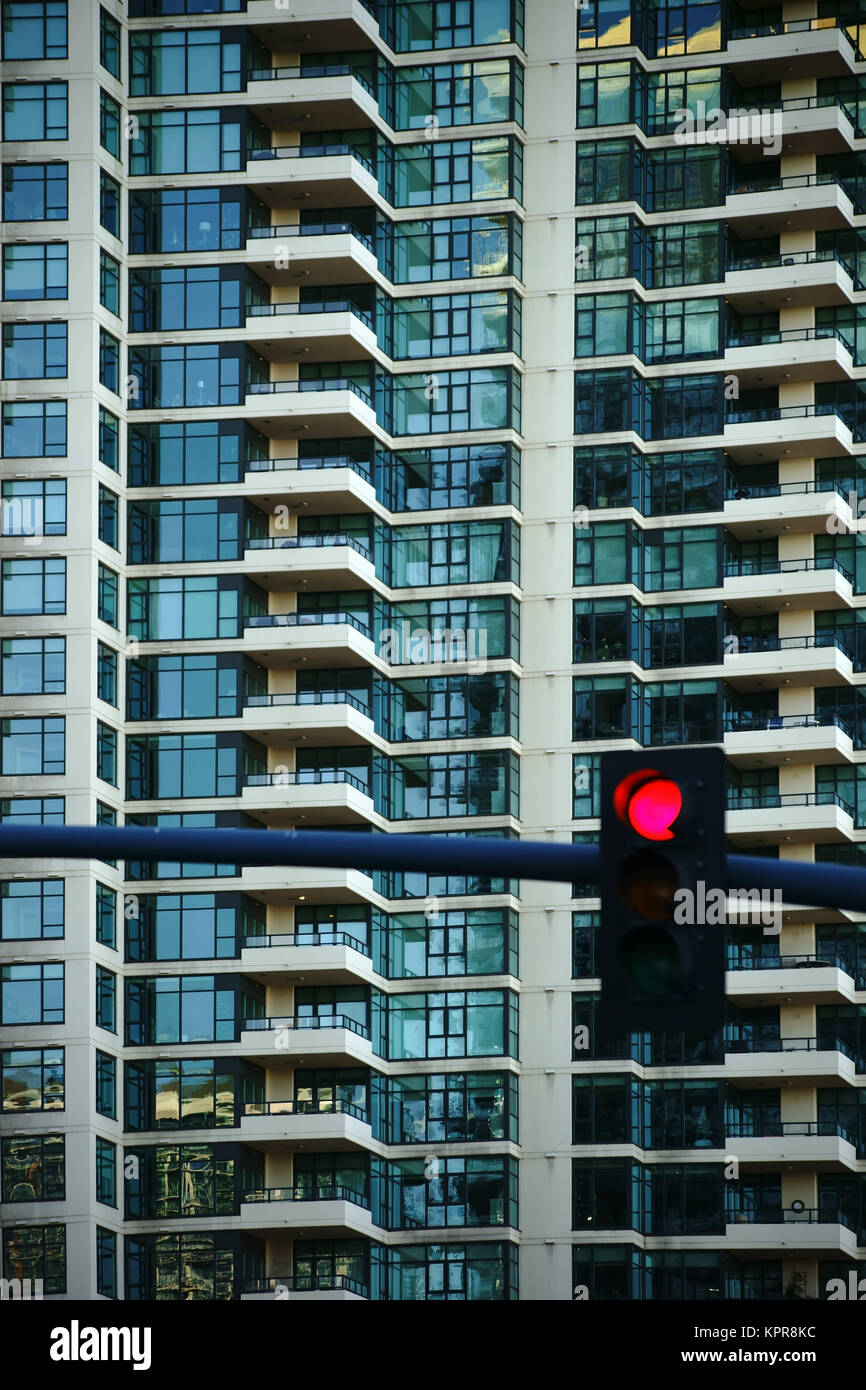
x: 336, y: 638
x: 288, y: 884
x: 336, y: 1288
x: 349, y: 22
x: 802, y: 817
x: 321, y: 560
x: 823, y: 1145
x: 793, y: 738
x: 807, y: 978
x: 319, y: 716
x: 823, y: 659
x: 812, y: 1231
x: 327, y: 957
x: 332, y: 330
x: 325, y: 1211
x: 768, y: 585
x: 798, y: 201
x: 796, y: 354
x: 331, y: 407
x: 790, y: 48
x: 334, y: 174
x: 331, y: 1038
x: 813, y: 431
x: 813, y: 278
x: 323, y: 797
x: 334, y: 96
x: 327, y: 252
x: 327, y: 1125
x: 800, y: 1061
x: 776, y: 507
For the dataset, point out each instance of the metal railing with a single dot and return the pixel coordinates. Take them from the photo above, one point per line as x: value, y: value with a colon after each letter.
x: 820, y: 1044
x: 738, y: 489
x: 312, y: 229
x: 772, y: 184
x: 792, y: 412
x: 301, y: 1022
x: 327, y: 938
x: 317, y: 619
x: 790, y: 258
x: 359, y: 466
x: 305, y: 1107
x: 328, y: 306
x: 791, y: 26
x: 750, y: 643
x: 308, y: 1283
x: 336, y: 1193
x: 750, y: 723
x: 773, y: 565
x: 327, y: 776
x: 767, y: 800
x: 311, y: 697
x: 311, y: 152
x: 316, y: 541
x: 319, y: 70
x: 761, y: 338
x: 784, y: 1216
x: 336, y: 383
x: 763, y: 1129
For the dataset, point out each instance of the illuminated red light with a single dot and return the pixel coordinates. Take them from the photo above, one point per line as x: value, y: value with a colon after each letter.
x: 649, y: 803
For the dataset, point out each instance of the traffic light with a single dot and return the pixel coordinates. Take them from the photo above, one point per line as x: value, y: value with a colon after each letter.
x: 662, y: 965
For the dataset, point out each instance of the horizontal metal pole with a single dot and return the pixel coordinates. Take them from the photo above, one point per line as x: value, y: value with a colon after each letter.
x: 818, y: 885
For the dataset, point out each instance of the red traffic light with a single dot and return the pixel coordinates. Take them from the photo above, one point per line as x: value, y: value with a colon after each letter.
x: 649, y: 803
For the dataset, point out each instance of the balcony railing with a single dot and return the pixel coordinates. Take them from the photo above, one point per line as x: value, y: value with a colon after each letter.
x: 323, y: 777
x: 295, y: 1022
x: 760, y: 338
x: 784, y: 1216
x: 311, y: 152
x: 790, y: 258
x: 323, y: 938
x: 752, y: 642
x: 739, y: 488
x: 326, y: 306
x: 359, y: 466
x: 768, y: 800
x: 336, y: 1193
x: 336, y: 383
x: 318, y: 229
x: 308, y: 1283
x: 787, y: 1129
x: 790, y: 26
x: 738, y: 961
x: 750, y: 723
x: 320, y: 70
x: 770, y: 184
x: 305, y: 1107
x: 821, y: 1044
x: 316, y: 619
x: 318, y: 541
x: 307, y: 697
x: 773, y: 565
x: 794, y: 412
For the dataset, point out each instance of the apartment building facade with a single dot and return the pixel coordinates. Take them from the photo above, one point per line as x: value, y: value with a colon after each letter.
x: 453, y: 390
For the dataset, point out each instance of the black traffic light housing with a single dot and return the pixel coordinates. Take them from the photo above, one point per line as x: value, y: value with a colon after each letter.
x: 662, y: 966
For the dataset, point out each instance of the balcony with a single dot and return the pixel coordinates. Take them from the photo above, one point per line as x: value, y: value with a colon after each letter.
x: 322, y: 484
x: 335, y: 638
x: 797, y: 201
x: 821, y: 660
x: 285, y: 885
x: 796, y: 738
x: 331, y: 407
x: 760, y: 980
x: 756, y: 817
x: 329, y: 1038
x: 322, y: 560
x: 333, y: 330
x: 320, y: 716
x: 337, y: 1288
x: 814, y: 1144
x: 321, y: 1211
x: 819, y: 582
x: 793, y: 47
x: 322, y: 797
x: 329, y: 95
x: 328, y: 1125
x: 775, y: 507
x: 328, y: 252
x: 821, y: 277
x: 333, y: 174
x: 796, y: 354
x: 815, y: 431
x: 328, y: 957
x: 802, y: 1061
x: 813, y: 1231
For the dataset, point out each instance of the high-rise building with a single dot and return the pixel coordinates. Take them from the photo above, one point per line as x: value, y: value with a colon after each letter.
x: 402, y: 404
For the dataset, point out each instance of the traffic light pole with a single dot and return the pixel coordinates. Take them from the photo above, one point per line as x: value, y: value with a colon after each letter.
x: 810, y: 885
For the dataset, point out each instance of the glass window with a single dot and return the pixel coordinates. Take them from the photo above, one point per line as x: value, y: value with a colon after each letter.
x: 603, y: 94
x: 106, y: 603
x: 109, y: 43
x: 34, y: 429
x: 33, y: 810
x: 106, y: 673
x: 33, y: 666
x: 474, y: 1024
x: 34, y: 350
x: 33, y: 747
x: 109, y: 204
x: 31, y: 909
x: 188, y: 61
x: 109, y: 513
x: 34, y: 1168
x: 35, y: 507
x: 34, y: 110
x: 109, y: 439
x: 602, y: 248
x: 106, y: 1172
x: 177, y: 142
x: 106, y: 916
x: 106, y: 1085
x: 35, y: 192
x: 32, y: 1080
x: 109, y: 361
x: 106, y: 753
x: 106, y: 1263
x: 35, y: 271
x: 106, y: 996
x: 36, y: 1253
x: 34, y: 29
x: 31, y: 994
x: 109, y: 124
x: 109, y: 282
x: 34, y: 586
x: 604, y: 171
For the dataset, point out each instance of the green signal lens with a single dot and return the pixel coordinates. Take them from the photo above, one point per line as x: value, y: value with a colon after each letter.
x: 652, y: 961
